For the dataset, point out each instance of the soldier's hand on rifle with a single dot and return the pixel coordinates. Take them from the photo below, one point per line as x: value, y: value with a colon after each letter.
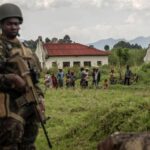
x: 16, y: 81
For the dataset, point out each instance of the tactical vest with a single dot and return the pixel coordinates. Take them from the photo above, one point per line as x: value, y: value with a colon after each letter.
x: 8, y: 107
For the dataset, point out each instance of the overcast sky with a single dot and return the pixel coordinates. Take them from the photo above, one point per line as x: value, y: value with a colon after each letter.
x: 85, y: 21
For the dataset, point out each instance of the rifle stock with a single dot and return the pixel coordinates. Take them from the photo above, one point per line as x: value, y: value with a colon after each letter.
x: 31, y: 95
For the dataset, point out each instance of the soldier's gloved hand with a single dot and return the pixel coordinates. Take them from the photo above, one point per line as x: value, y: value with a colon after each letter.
x: 16, y: 81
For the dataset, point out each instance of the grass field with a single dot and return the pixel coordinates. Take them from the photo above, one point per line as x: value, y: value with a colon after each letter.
x: 80, y: 118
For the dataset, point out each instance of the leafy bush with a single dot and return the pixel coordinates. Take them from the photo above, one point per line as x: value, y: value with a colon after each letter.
x: 124, y: 56
x: 144, y: 73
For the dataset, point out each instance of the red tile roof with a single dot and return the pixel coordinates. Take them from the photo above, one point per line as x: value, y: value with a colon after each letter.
x: 72, y: 49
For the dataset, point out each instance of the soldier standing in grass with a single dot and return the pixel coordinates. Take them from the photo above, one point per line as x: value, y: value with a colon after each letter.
x: 18, y: 122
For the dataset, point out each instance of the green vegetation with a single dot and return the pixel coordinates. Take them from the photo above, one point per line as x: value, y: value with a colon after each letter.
x: 80, y: 118
x: 123, y: 44
x: 123, y: 56
x: 124, y: 53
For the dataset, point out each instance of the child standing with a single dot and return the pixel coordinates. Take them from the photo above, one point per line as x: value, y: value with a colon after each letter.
x: 105, y: 85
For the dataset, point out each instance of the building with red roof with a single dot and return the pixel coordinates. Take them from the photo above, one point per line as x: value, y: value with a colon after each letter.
x: 72, y: 54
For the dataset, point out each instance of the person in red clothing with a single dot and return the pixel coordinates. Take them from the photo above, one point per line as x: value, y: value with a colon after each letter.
x: 54, y: 81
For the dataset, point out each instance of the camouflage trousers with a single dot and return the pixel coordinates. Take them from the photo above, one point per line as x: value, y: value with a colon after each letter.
x: 16, y: 136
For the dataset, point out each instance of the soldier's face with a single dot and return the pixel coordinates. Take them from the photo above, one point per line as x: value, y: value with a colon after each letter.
x: 10, y: 27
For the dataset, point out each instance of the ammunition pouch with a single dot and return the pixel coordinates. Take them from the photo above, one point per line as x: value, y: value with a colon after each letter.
x: 27, y: 109
x: 4, y: 105
x: 21, y: 101
x: 4, y: 108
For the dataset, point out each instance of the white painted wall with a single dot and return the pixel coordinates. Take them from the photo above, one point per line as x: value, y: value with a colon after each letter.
x: 147, y: 56
x: 71, y: 59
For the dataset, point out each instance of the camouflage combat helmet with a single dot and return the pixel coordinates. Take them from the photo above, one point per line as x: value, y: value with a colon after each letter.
x: 8, y: 10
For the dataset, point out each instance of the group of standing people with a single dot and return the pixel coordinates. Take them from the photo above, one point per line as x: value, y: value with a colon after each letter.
x: 55, y: 81
x: 128, y: 78
x: 70, y: 79
x: 60, y: 79
x: 96, y: 75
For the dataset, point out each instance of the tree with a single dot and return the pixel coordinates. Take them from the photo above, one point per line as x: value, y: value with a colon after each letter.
x: 106, y: 47
x: 91, y: 46
x: 40, y: 38
x: 67, y: 39
x: 119, y: 54
x: 123, y: 57
x: 61, y: 41
x: 31, y: 44
x: 54, y: 40
x: 47, y: 40
x: 136, y: 46
x: 123, y: 44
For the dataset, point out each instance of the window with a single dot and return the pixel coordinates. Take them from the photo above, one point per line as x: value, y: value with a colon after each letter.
x: 66, y: 64
x: 76, y: 63
x: 99, y: 63
x: 87, y: 63
x: 54, y: 64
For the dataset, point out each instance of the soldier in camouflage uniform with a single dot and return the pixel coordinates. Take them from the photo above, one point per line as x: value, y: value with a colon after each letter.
x: 18, y: 124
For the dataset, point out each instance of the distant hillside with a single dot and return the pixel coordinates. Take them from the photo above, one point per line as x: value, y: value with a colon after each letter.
x: 143, y: 41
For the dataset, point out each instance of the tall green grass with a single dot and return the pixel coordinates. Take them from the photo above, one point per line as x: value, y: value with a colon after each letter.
x: 80, y: 118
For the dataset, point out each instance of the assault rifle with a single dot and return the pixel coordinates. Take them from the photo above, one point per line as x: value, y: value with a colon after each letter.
x: 31, y: 95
